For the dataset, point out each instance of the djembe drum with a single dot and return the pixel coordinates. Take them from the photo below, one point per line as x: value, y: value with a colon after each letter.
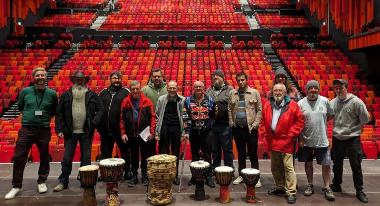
x: 223, y: 176
x: 161, y: 173
x: 251, y: 177
x: 199, y: 170
x: 111, y: 171
x: 88, y: 178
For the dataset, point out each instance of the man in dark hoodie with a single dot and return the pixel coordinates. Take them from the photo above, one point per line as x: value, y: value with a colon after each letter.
x: 350, y: 115
x: 109, y: 128
x: 221, y: 132
x: 79, y: 111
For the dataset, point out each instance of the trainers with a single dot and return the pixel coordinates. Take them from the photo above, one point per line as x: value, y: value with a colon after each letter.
x: 59, y: 187
x: 12, y: 194
x: 291, y: 199
x: 133, y: 181
x: 361, y: 196
x: 42, y: 188
x: 210, y: 182
x: 276, y: 191
x: 336, y: 188
x: 238, y: 180
x: 329, y: 195
x: 309, y: 190
x: 258, y: 184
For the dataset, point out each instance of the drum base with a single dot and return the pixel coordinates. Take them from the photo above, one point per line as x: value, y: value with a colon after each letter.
x: 251, y: 194
x: 89, y: 197
x: 200, y: 194
x: 112, y: 198
x: 224, y: 195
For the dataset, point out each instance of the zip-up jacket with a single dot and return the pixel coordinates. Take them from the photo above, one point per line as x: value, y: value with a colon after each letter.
x: 154, y: 93
x: 146, y: 117
x: 199, y: 115
x: 289, y: 126
x: 64, y: 118
x: 112, y: 108
x: 221, y: 103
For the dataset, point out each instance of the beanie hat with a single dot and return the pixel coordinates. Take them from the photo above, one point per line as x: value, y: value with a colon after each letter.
x: 218, y: 72
x: 115, y: 73
x: 280, y: 72
x: 312, y: 83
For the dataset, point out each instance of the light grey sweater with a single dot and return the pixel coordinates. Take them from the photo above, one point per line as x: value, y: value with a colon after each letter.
x: 349, y: 117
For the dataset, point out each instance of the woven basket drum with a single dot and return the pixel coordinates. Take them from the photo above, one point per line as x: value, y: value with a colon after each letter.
x: 161, y: 173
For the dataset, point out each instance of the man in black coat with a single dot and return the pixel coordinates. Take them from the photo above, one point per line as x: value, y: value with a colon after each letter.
x: 79, y: 111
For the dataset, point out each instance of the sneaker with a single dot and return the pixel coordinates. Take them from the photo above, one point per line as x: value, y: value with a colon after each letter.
x: 176, y: 181
x: 336, y: 188
x: 291, y: 199
x: 12, y: 194
x: 133, y: 181
x: 361, y: 196
x: 238, y: 180
x: 59, y: 187
x: 329, y: 195
x: 276, y: 191
x: 210, y: 182
x: 309, y: 190
x: 42, y: 188
x: 258, y: 184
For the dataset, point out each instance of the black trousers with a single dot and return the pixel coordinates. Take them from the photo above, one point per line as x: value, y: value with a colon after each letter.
x: 170, y: 137
x: 107, y: 141
x: 85, y: 143
x: 143, y: 149
x: 222, y: 142
x: 201, y: 142
x: 353, y: 149
x: 27, y: 136
x: 246, y: 141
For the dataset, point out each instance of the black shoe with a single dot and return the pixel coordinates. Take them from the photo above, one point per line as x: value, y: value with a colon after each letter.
x: 100, y: 179
x: 78, y: 177
x: 336, y: 188
x: 145, y: 180
x: 176, y: 181
x: 128, y: 175
x: 133, y: 181
x: 210, y: 182
x: 361, y: 196
x: 291, y: 199
x: 275, y: 191
x: 191, y: 182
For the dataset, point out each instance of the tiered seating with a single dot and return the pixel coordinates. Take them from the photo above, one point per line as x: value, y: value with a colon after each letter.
x: 77, y: 19
x: 245, y: 42
x: 274, y: 20
x: 167, y: 42
x: 269, y: 4
x: 176, y: 15
x: 16, y: 67
x: 138, y: 42
x: 204, y: 42
x: 98, y: 4
x: 288, y: 41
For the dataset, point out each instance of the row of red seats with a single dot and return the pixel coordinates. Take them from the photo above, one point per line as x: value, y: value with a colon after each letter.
x: 269, y: 4
x: 84, y: 3
x: 275, y: 20
x: 77, y: 19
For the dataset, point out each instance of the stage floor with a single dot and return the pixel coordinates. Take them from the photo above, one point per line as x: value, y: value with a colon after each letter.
x: 137, y: 196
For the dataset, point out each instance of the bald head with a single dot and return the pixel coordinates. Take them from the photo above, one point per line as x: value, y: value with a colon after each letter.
x: 199, y: 88
x: 172, y: 88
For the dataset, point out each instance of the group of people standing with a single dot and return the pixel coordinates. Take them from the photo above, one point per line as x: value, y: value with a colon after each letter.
x: 209, y: 119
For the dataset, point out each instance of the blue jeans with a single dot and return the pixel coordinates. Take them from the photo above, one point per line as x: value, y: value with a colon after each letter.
x: 222, y: 140
x: 70, y: 145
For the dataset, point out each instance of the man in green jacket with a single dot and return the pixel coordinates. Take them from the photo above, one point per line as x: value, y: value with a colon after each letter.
x: 37, y: 105
x: 156, y: 86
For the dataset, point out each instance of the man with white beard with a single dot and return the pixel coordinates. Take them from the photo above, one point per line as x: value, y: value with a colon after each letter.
x: 79, y: 111
x: 313, y: 141
x: 283, y: 122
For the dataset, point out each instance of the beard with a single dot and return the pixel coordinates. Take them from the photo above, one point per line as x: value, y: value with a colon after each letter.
x: 278, y: 98
x: 218, y: 86
x: 79, y: 91
x: 40, y: 82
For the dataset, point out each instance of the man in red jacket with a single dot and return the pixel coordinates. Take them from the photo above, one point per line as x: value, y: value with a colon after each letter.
x: 283, y: 122
x: 137, y: 114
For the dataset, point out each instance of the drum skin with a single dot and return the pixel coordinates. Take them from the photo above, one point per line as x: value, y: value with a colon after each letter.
x: 111, y: 169
x: 223, y: 175
x: 88, y: 175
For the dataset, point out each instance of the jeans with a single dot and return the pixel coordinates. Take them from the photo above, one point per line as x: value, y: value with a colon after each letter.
x: 140, y: 148
x: 27, y: 136
x: 201, y: 141
x: 170, y: 136
x: 353, y: 149
x: 70, y: 142
x: 222, y: 140
x: 246, y: 140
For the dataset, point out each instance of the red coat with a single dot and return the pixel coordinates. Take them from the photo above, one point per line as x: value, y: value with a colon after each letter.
x: 289, y: 126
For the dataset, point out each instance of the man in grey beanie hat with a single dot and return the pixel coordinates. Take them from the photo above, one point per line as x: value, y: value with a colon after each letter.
x: 221, y: 132
x: 313, y: 140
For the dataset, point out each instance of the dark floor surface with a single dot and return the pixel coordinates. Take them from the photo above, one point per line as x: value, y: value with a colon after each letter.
x: 137, y: 195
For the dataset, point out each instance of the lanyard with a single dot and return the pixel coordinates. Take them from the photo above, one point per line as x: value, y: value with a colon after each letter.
x: 42, y: 98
